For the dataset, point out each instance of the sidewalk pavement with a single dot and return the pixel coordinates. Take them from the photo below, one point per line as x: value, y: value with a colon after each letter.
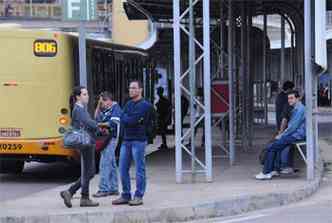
x: 233, y: 191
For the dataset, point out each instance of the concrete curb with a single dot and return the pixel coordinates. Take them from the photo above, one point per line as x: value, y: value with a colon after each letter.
x: 230, y: 207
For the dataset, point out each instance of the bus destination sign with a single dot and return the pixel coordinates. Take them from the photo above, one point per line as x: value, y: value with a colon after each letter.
x: 45, y: 48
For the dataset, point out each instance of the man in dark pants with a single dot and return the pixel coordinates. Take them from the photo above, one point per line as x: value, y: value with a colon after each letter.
x: 164, y: 110
x: 283, y: 111
x: 294, y: 132
x: 136, y: 121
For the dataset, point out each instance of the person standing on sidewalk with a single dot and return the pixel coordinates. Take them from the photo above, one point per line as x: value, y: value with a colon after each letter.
x: 106, y: 110
x: 164, y: 110
x: 293, y: 133
x: 136, y: 121
x: 81, y: 119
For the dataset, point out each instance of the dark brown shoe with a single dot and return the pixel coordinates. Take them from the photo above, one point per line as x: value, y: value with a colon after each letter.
x: 120, y: 201
x: 66, y: 196
x: 86, y: 202
x: 136, y: 201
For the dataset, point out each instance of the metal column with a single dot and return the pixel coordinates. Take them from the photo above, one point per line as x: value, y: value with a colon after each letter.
x: 192, y: 87
x: 282, y: 51
x: 177, y: 88
x: 264, y: 69
x: 231, y: 82
x: 179, y: 76
x: 82, y: 54
x: 243, y: 82
x: 308, y: 91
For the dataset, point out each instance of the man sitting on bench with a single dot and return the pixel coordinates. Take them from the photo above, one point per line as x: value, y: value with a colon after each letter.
x: 295, y: 132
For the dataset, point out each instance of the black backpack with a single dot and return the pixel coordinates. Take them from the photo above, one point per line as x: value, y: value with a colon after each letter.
x: 151, y: 130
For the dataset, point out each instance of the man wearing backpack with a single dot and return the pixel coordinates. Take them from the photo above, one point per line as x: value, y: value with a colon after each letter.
x: 136, y: 121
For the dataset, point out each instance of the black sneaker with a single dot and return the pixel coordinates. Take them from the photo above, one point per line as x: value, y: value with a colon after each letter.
x: 136, y: 201
x: 120, y: 201
x: 66, y: 196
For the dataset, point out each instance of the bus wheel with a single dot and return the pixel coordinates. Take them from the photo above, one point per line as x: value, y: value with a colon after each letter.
x: 11, y: 166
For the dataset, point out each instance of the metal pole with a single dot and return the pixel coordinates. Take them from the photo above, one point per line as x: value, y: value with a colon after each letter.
x: 31, y: 13
x: 222, y: 39
x: 282, y: 50
x: 82, y: 54
x: 243, y: 76
x: 230, y: 81
x: 249, y: 94
x: 264, y: 70
x: 192, y: 78
x: 308, y: 90
x: 207, y: 89
x: 177, y: 84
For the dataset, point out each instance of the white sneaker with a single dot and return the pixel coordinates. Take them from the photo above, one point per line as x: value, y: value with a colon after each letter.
x: 275, y: 173
x: 262, y: 176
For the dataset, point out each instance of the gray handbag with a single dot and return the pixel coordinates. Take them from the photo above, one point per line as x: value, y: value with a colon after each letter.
x: 77, y: 139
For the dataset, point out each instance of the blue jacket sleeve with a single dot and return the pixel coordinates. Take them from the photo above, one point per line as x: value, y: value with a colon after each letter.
x: 135, y: 118
x: 299, y: 118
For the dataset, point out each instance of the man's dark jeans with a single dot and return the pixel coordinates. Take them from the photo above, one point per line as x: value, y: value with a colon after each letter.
x: 276, y: 147
x: 88, y: 170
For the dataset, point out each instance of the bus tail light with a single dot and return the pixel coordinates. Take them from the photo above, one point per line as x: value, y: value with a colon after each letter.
x: 63, y: 120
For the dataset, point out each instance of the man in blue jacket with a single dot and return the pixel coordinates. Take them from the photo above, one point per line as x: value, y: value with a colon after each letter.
x: 294, y: 132
x: 107, y: 110
x: 136, y: 121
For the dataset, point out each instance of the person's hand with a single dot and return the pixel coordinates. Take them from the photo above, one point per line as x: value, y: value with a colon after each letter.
x: 278, y: 136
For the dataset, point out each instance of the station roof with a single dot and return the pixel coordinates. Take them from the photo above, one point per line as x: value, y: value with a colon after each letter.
x: 162, y: 10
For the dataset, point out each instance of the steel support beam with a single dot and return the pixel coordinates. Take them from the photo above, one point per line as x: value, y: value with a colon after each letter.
x: 82, y: 54
x: 309, y: 90
x: 264, y: 69
x: 231, y: 27
x: 192, y: 85
x: 179, y: 21
x: 282, y: 50
x: 177, y: 88
x: 207, y: 89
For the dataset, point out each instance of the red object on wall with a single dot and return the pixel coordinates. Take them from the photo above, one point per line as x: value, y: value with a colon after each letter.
x: 219, y: 97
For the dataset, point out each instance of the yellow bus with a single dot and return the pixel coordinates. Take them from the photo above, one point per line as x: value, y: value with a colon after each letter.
x: 38, y: 70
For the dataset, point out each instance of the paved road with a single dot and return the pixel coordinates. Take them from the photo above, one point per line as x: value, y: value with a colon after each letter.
x: 316, y: 209
x: 35, y: 178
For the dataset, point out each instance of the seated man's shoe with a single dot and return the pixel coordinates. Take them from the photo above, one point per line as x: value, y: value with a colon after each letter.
x: 275, y: 173
x: 101, y: 194
x: 136, y: 201
x: 66, y: 196
x: 262, y: 176
x: 114, y: 193
x: 86, y: 202
x: 287, y: 170
x: 120, y: 201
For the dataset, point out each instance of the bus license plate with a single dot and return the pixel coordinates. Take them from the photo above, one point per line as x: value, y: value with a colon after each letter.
x: 10, y: 147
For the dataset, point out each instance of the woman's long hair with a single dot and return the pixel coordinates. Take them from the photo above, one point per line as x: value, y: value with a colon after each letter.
x: 72, y: 100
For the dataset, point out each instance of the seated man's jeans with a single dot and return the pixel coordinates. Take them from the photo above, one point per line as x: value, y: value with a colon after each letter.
x: 284, y: 158
x: 274, y: 148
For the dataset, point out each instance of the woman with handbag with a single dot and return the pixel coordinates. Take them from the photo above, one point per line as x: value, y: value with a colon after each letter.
x: 82, y: 121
